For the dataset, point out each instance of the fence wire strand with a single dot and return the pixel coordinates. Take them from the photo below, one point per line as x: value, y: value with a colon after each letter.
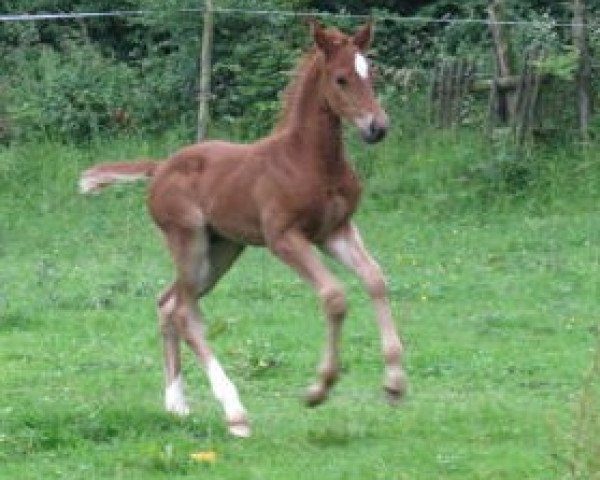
x: 446, y: 20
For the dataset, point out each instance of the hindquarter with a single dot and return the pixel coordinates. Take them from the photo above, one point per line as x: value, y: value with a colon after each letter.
x: 209, y: 184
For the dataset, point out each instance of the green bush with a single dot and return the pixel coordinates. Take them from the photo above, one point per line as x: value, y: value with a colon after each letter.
x: 72, y: 80
x: 71, y: 95
x: 254, y: 59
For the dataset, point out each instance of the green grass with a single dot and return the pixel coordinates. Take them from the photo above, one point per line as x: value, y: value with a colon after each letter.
x: 495, y: 290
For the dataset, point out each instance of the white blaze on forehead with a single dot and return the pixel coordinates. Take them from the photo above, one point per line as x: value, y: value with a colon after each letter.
x: 361, y: 65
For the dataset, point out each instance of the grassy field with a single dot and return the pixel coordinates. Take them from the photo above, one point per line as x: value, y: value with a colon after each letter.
x: 495, y: 289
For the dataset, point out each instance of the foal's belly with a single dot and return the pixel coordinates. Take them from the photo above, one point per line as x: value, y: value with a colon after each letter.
x: 241, y: 226
x: 331, y: 215
x: 316, y: 222
x: 248, y: 214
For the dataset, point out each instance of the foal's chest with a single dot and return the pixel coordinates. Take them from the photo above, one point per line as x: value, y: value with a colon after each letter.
x: 333, y: 206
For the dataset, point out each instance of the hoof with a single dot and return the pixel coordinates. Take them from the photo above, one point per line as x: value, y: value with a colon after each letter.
x: 393, y: 396
x: 175, y: 401
x: 240, y: 429
x: 315, y: 395
x: 178, y: 408
x: 238, y: 424
x: 396, y: 389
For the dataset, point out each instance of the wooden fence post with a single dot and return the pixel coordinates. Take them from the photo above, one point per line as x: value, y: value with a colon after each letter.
x: 527, y: 96
x: 506, y: 103
x: 451, y: 82
x: 205, y: 71
x: 433, y: 94
x: 584, y: 74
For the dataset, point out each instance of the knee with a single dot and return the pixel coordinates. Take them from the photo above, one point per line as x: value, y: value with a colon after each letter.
x: 393, y: 351
x: 329, y: 374
x: 375, y: 283
x: 334, y: 302
x: 181, y: 316
x: 166, y: 307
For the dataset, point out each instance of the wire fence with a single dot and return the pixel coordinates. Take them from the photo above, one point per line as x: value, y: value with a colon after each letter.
x: 156, y: 81
x: 446, y: 20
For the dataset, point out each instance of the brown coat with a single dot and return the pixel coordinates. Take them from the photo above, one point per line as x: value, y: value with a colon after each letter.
x: 288, y: 191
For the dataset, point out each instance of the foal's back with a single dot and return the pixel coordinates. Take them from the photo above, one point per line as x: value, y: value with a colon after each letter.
x: 199, y: 182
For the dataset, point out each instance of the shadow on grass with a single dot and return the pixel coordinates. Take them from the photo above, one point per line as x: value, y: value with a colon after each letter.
x: 340, y: 433
x: 42, y: 431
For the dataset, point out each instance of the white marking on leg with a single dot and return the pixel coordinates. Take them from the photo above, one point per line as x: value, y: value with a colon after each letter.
x: 361, y: 65
x: 175, y: 401
x: 225, y: 391
x: 340, y: 246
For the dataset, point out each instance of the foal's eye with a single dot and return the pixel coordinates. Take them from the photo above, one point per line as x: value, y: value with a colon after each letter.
x: 341, y: 81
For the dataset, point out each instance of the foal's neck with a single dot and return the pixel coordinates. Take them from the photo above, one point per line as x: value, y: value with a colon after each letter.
x: 312, y: 125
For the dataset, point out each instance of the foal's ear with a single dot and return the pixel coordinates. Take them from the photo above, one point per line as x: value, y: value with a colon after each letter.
x: 364, y: 36
x: 323, y: 39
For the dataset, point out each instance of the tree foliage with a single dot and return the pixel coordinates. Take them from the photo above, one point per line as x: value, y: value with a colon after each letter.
x: 73, y: 79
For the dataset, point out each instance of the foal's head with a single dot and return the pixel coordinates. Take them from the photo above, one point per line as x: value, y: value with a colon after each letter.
x: 347, y: 80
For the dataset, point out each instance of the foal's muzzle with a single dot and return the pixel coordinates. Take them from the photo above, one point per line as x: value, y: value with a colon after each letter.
x: 372, y: 128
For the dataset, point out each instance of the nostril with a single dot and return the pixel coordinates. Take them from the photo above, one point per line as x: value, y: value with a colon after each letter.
x: 373, y: 128
x: 377, y: 131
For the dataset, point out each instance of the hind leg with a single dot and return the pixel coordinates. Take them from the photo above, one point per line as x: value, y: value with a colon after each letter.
x: 175, y: 401
x: 200, y: 263
x: 222, y: 255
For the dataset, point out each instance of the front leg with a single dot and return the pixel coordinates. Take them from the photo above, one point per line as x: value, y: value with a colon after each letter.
x: 297, y: 252
x: 347, y: 247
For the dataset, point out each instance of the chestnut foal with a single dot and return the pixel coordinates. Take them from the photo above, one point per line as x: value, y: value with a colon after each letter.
x: 289, y: 191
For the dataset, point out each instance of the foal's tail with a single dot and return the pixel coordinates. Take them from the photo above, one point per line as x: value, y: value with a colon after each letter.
x: 96, y: 178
